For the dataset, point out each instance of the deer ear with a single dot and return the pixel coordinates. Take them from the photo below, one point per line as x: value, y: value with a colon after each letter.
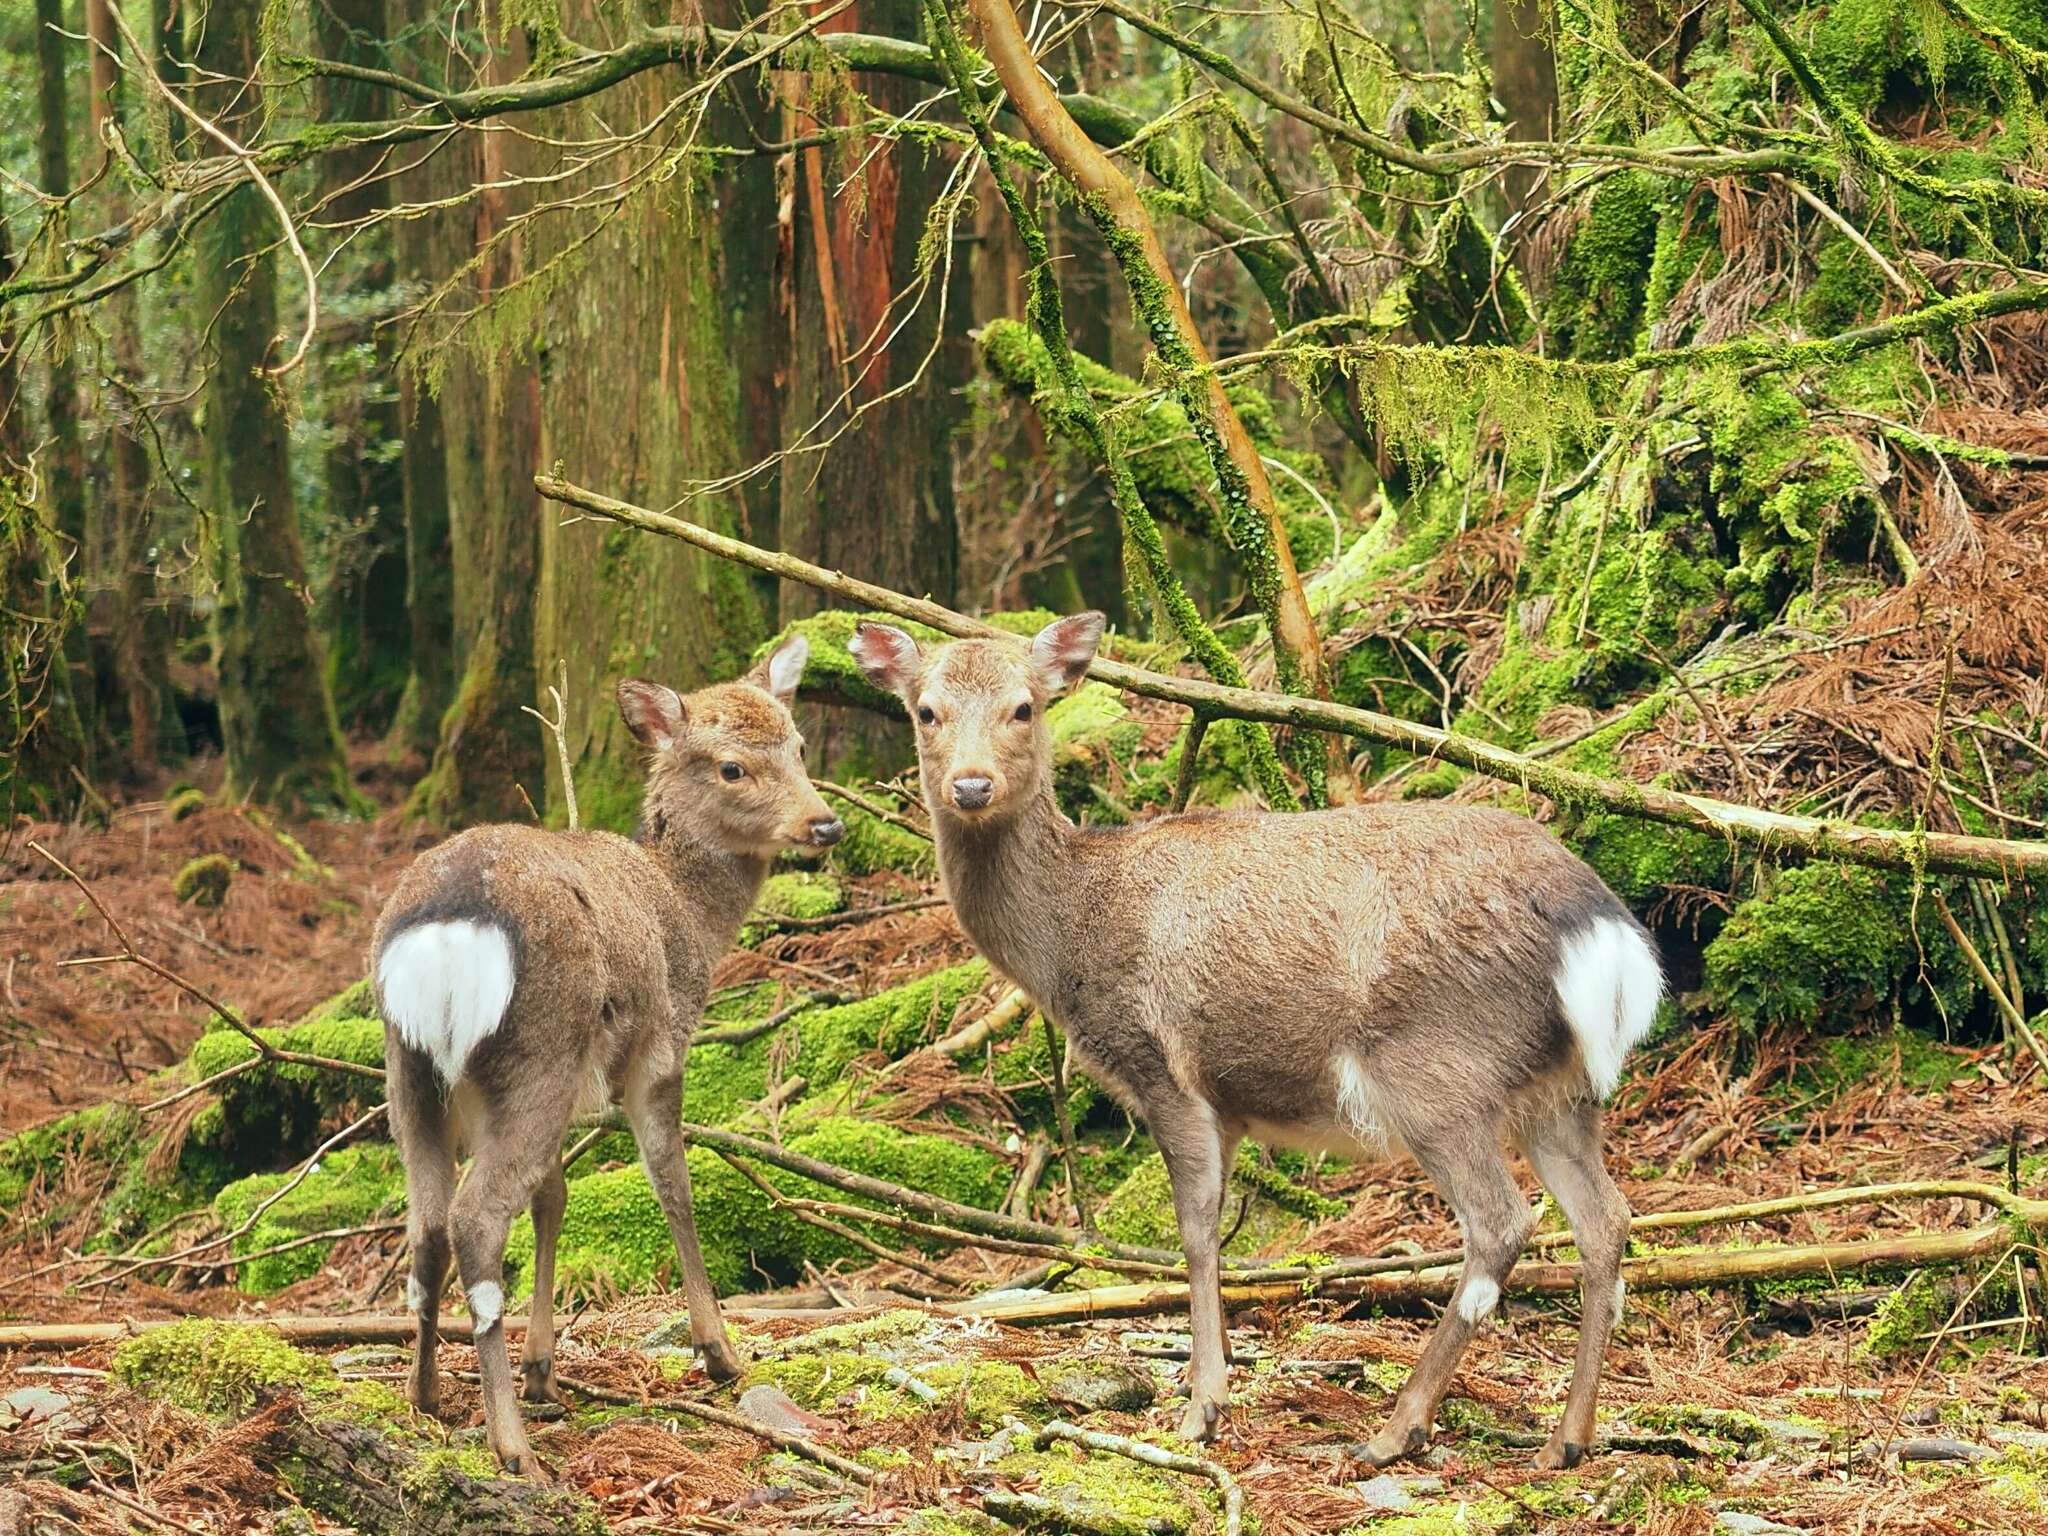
x: 653, y: 713
x: 783, y: 670
x: 1061, y: 652
x: 887, y: 656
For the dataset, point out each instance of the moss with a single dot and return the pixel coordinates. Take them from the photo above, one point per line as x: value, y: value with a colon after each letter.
x: 857, y: 1380
x: 615, y: 1238
x: 220, y: 1369
x: 797, y: 893
x: 1024, y: 1070
x: 1140, y: 1210
x: 204, y: 881
x: 1640, y: 860
x: 1094, y: 742
x: 1828, y: 935
x: 872, y: 845
x: 106, y: 1133
x: 1843, y: 1063
x: 1595, y: 305
x: 1433, y: 782
x: 183, y: 803
x: 274, y: 1110
x: 346, y: 1189
x: 1112, y: 1495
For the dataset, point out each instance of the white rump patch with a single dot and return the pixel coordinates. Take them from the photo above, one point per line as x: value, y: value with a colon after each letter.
x: 1477, y: 1298
x: 445, y: 986
x: 415, y: 1295
x: 486, y: 1305
x: 1608, y: 983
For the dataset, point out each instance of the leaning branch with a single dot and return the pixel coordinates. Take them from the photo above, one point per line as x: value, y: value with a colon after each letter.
x: 1769, y: 831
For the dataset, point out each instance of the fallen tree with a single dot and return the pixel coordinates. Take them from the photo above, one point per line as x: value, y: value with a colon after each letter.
x: 1775, y: 832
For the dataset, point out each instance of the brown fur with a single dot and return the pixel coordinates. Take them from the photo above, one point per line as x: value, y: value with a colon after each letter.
x: 613, y: 943
x: 1218, y: 971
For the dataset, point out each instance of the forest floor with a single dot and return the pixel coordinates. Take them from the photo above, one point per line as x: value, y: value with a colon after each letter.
x: 1741, y: 1409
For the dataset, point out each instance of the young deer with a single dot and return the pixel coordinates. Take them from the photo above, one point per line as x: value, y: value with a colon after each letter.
x: 1435, y: 977
x: 525, y: 976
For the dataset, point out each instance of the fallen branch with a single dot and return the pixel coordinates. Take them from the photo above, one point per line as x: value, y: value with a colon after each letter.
x: 874, y: 808
x: 853, y: 914
x: 1770, y: 831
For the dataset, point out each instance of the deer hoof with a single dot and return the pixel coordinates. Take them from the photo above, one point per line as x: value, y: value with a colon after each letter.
x: 537, y: 1382
x: 426, y: 1399
x: 1560, y: 1455
x: 1392, y: 1444
x: 1201, y: 1422
x: 721, y: 1360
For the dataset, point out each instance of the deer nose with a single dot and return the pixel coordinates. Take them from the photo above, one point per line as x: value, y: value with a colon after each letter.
x: 971, y: 794
x: 827, y: 830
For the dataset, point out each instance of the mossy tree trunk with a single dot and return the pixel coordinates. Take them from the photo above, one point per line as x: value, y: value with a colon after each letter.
x: 880, y: 500
x: 489, y: 758
x: 66, y: 458
x: 672, y: 387
x: 363, y: 601
x: 277, y: 720
x: 124, y: 604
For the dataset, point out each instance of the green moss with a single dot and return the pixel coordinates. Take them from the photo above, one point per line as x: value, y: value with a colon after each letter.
x: 872, y: 845
x: 1917, y: 1307
x: 615, y: 1238
x: 797, y: 893
x: 183, y: 803
x: 1595, y: 305
x: 1640, y: 860
x: 204, y: 881
x: 1834, y: 936
x: 1847, y: 1062
x: 1113, y: 1495
x: 106, y: 1133
x: 1140, y: 1210
x: 346, y: 1189
x: 274, y: 1110
x: 216, y: 1368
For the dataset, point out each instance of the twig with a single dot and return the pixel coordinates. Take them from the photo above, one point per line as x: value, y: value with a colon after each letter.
x: 1056, y: 1054
x: 742, y: 1034
x: 2003, y: 1003
x: 226, y: 1014
x: 878, y: 811
x: 254, y: 170
x: 1009, y: 1008
x: 855, y: 914
x: 810, y: 1211
x: 1154, y: 1456
x: 559, y: 729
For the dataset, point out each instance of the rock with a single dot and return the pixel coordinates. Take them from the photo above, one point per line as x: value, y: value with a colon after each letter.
x: 1098, y: 1386
x: 1733, y: 1522
x: 1386, y: 1492
x: 40, y: 1408
x: 774, y: 1408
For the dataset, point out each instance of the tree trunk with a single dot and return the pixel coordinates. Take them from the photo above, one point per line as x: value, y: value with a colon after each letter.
x: 65, y: 466
x: 1525, y: 80
x: 277, y: 721
x: 880, y: 499
x: 673, y: 383
x: 489, y: 758
x: 125, y: 605
x: 363, y: 606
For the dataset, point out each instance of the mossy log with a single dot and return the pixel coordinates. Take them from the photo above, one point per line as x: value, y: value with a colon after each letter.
x: 1771, y: 831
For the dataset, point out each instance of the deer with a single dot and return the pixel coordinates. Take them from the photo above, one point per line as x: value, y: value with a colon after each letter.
x: 527, y: 976
x: 1443, y: 978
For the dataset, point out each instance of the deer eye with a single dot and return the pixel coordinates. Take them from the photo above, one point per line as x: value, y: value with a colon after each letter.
x: 1023, y: 712
x: 925, y: 715
x: 732, y: 773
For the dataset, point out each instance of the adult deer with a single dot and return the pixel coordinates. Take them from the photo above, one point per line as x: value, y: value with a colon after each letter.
x: 1444, y: 978
x: 527, y: 975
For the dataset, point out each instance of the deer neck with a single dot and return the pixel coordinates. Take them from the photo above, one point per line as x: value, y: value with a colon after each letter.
x: 1011, y: 884
x: 717, y: 886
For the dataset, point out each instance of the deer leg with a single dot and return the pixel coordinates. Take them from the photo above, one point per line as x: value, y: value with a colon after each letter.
x: 1566, y: 1155
x: 655, y: 1106
x: 537, y: 1357
x: 426, y: 1144
x: 509, y: 1166
x: 1193, y: 1146
x: 1494, y: 1218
